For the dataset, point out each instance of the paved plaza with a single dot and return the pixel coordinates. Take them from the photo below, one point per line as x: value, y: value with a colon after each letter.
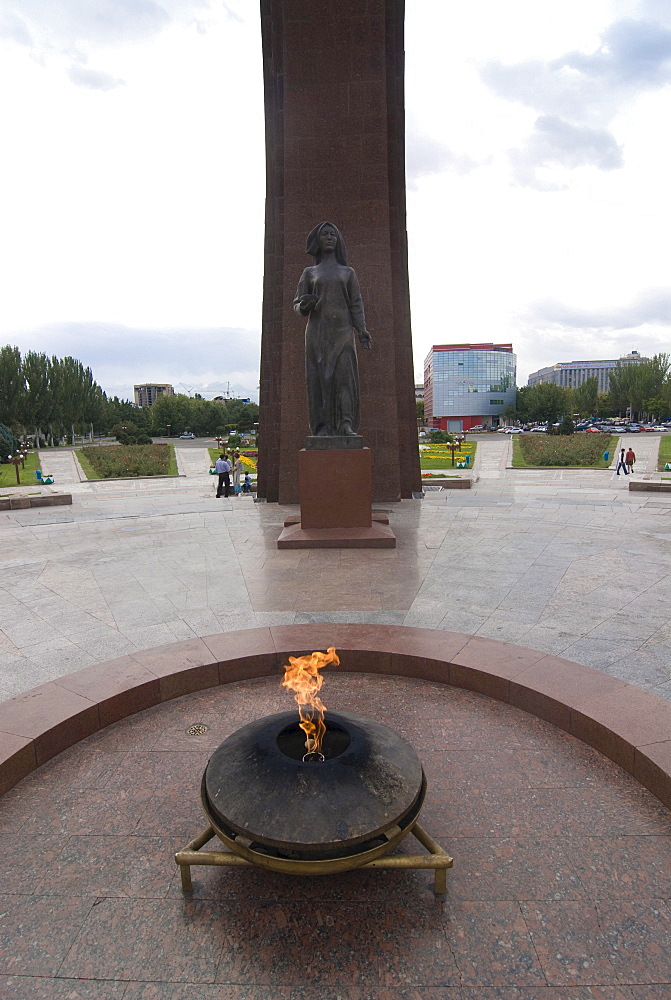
x: 563, y: 561
x: 560, y: 888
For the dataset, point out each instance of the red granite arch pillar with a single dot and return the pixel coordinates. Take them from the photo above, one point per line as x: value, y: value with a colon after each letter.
x: 335, y: 149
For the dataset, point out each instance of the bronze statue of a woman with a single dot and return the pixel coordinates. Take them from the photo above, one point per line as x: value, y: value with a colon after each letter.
x: 328, y: 294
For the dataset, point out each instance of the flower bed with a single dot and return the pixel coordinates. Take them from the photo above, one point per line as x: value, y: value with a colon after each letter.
x: 584, y: 450
x: 439, y: 456
x: 120, y: 461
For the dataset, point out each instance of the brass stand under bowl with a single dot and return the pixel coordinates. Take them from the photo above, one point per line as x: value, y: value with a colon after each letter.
x: 272, y: 809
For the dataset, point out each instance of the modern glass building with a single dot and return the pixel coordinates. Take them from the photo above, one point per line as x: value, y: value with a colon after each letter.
x: 468, y: 384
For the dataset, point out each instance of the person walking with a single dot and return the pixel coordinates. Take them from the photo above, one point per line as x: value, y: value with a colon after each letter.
x: 237, y: 470
x: 630, y: 458
x: 622, y: 463
x: 223, y: 469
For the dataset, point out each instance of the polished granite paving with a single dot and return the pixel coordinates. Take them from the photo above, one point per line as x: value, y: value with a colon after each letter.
x: 561, y: 886
x: 568, y: 562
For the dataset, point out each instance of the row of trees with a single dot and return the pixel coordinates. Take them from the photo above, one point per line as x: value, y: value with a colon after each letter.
x: 49, y: 398
x: 640, y: 391
x: 201, y: 416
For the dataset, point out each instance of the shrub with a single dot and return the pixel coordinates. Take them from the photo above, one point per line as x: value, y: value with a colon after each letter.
x: 8, y: 443
x: 440, y: 437
x: 119, y: 461
x: 566, y: 426
x: 130, y: 433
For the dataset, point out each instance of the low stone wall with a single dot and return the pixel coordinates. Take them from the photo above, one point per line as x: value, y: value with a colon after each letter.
x: 22, y: 503
x: 649, y: 487
x: 623, y: 722
x: 449, y: 484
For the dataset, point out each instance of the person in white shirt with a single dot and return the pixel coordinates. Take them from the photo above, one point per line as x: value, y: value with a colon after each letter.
x: 223, y: 469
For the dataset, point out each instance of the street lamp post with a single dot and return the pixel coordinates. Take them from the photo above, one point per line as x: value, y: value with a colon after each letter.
x: 15, y: 459
x: 456, y: 445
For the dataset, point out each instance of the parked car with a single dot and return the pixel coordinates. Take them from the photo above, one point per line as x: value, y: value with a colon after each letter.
x: 541, y: 429
x: 512, y: 430
x: 478, y: 427
x: 633, y: 428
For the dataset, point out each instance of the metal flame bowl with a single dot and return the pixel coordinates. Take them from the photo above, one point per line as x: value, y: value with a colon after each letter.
x: 272, y: 808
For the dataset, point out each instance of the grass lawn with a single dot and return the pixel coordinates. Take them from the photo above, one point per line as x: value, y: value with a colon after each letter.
x: 664, y: 451
x: 119, y: 461
x: 27, y: 475
x: 553, y: 451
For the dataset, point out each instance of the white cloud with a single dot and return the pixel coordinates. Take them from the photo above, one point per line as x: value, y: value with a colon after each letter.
x: 187, y: 358
x: 67, y: 24
x: 579, y: 94
x: 649, y: 307
x: 133, y: 237
x: 427, y: 155
x: 93, y: 79
x: 13, y: 27
x: 557, y: 143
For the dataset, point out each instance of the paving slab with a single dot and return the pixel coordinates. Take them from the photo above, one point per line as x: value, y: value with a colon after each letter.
x: 564, y: 561
x: 560, y: 886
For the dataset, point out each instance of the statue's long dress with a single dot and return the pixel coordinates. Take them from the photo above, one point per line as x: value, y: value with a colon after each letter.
x: 331, y: 368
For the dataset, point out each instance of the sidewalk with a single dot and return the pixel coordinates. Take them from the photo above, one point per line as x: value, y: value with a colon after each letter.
x: 193, y: 462
x: 646, y: 449
x: 62, y: 465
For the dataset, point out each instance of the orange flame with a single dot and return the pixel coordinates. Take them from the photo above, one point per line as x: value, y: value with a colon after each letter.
x: 301, y: 675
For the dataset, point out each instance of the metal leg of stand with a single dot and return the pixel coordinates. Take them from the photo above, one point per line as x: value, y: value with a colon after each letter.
x: 440, y: 882
x: 185, y: 872
x: 437, y: 859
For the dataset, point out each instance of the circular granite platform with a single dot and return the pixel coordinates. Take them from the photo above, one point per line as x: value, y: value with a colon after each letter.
x: 629, y: 725
x: 561, y: 886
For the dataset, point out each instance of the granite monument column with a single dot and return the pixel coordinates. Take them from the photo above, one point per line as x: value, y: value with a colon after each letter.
x: 335, y: 147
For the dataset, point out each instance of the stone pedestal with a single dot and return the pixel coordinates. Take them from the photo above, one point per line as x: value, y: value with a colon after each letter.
x: 335, y: 489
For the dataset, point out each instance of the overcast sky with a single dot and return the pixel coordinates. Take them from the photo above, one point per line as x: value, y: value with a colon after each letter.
x: 132, y: 181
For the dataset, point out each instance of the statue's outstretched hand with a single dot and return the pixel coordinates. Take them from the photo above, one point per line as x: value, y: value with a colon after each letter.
x: 308, y: 302
x: 366, y: 340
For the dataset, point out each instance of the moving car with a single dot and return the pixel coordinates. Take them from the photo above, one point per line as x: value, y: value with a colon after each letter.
x: 187, y: 434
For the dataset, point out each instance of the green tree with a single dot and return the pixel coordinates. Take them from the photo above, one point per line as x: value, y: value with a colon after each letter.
x: 12, y: 387
x: 172, y: 411
x: 38, y: 398
x: 660, y: 408
x: 632, y: 384
x: 585, y: 397
x: 521, y: 408
x: 419, y: 410
x: 547, y: 402
x: 604, y: 405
